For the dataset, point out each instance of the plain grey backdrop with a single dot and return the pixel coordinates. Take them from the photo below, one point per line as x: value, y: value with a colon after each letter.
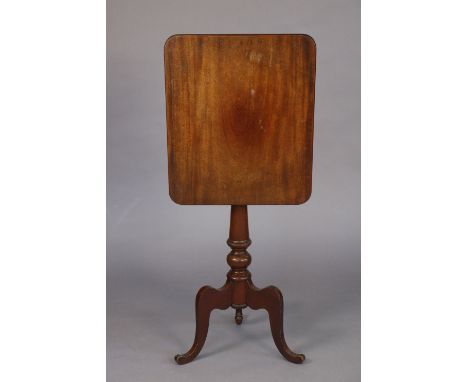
x: 160, y: 254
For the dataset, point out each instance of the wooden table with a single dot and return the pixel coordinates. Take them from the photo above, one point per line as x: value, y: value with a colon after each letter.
x: 239, y: 114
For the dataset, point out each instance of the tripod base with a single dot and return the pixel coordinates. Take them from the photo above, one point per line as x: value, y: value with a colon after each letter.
x: 239, y: 292
x: 269, y: 298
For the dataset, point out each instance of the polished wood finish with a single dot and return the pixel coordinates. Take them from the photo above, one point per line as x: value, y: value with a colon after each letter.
x: 239, y: 292
x: 240, y: 118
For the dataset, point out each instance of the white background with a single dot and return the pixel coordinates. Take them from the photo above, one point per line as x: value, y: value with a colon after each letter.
x: 414, y: 191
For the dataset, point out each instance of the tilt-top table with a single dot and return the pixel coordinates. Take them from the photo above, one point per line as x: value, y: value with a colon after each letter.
x: 239, y: 113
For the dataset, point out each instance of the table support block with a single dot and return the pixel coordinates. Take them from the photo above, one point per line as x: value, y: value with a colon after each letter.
x: 239, y: 292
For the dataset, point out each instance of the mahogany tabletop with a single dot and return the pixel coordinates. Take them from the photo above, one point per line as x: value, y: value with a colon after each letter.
x: 240, y: 118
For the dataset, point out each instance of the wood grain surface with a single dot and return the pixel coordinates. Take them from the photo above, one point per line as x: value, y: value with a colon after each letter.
x: 239, y: 114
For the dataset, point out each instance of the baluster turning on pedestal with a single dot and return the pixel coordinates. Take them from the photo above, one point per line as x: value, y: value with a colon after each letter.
x: 239, y: 292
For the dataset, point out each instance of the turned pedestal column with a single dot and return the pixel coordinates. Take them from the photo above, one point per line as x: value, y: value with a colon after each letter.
x: 239, y: 292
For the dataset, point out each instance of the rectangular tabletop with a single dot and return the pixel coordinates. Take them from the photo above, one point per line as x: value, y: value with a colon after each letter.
x: 239, y: 113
